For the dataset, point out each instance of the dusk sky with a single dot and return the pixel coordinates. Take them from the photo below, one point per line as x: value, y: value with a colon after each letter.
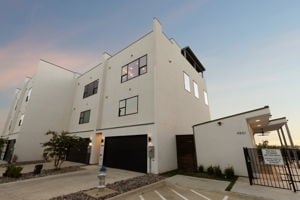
x: 250, y: 49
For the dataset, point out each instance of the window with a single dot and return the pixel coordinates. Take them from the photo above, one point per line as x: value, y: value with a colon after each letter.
x: 196, y: 90
x: 135, y: 68
x: 91, y: 88
x: 128, y: 106
x: 21, y: 120
x: 205, y: 97
x: 28, y: 95
x: 187, y: 85
x: 84, y: 117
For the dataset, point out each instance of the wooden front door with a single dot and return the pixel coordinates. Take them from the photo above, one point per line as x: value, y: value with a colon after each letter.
x: 186, y: 152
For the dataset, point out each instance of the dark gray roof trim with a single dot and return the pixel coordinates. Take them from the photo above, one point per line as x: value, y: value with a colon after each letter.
x: 192, y: 58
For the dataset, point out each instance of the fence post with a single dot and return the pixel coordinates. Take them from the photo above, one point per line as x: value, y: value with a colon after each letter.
x: 286, y: 159
x: 248, y: 164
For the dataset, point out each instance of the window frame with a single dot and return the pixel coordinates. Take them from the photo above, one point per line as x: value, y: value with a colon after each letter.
x: 89, y: 89
x: 21, y: 120
x: 196, y: 90
x: 205, y: 97
x: 82, y: 117
x: 139, y: 68
x: 28, y: 95
x: 125, y: 106
x: 189, y: 82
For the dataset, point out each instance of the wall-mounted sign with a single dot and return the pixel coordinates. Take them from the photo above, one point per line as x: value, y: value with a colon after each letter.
x: 272, y: 156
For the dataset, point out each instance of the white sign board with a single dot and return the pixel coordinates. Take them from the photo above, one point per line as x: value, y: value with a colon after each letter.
x: 272, y: 156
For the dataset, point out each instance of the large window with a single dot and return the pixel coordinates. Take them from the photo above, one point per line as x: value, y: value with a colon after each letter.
x: 21, y: 120
x: 91, y: 88
x: 205, y: 97
x: 84, y: 117
x: 28, y: 95
x: 134, y: 69
x: 187, y: 84
x: 128, y: 106
x: 196, y: 90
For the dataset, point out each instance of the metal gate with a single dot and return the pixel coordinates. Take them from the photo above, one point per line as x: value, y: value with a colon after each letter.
x: 282, y: 172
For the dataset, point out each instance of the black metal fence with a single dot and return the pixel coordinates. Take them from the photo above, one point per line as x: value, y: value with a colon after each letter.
x: 282, y: 172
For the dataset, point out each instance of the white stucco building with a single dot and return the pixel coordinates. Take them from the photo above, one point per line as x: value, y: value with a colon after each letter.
x: 141, y: 96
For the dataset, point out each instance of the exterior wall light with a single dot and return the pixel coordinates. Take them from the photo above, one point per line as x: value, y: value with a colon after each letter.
x: 220, y: 123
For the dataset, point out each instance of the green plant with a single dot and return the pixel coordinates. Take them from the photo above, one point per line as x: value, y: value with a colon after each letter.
x: 217, y: 171
x: 210, y: 170
x: 58, y: 147
x: 13, y: 171
x: 201, y: 169
x: 229, y: 172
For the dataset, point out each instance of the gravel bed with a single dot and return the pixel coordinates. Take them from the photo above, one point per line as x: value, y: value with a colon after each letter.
x: 120, y: 187
x: 46, y: 172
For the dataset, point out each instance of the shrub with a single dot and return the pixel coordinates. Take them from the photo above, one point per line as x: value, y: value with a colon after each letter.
x: 229, y: 172
x: 201, y: 169
x: 13, y: 171
x: 210, y: 170
x: 217, y: 171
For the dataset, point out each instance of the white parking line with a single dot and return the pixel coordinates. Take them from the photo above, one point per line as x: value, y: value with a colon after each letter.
x: 161, y: 196
x: 179, y: 194
x: 141, y: 197
x: 201, y: 195
x: 225, y: 198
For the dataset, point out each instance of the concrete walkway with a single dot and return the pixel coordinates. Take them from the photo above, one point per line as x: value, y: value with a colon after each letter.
x: 51, y: 186
x: 242, y: 186
x: 48, y: 165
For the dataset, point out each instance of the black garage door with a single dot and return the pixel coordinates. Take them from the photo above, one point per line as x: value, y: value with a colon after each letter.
x: 80, y: 154
x: 126, y: 152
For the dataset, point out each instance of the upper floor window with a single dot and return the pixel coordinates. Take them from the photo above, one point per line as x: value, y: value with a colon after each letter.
x: 21, y: 120
x: 91, y: 88
x: 134, y: 69
x: 196, y: 90
x: 128, y: 106
x: 28, y: 95
x: 84, y: 117
x: 205, y: 97
x: 187, y: 84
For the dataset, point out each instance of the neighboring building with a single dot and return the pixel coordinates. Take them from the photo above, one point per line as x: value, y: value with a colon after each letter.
x: 129, y: 107
x: 226, y: 137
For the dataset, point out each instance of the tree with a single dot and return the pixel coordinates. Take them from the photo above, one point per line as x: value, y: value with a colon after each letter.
x: 58, y: 146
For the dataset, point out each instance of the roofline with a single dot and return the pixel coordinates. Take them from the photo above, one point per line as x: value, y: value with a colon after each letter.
x: 140, y: 38
x: 90, y: 70
x: 281, y: 118
x: 59, y: 66
x: 229, y: 116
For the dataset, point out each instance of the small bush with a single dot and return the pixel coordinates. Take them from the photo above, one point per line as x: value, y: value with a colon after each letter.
x: 210, y: 170
x: 229, y: 172
x: 13, y: 171
x: 217, y: 171
x: 201, y: 169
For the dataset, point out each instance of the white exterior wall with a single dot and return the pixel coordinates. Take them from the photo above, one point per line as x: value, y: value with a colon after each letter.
x: 11, y: 117
x: 81, y: 104
x: 176, y: 109
x: 142, y: 86
x: 47, y: 109
x: 221, y: 145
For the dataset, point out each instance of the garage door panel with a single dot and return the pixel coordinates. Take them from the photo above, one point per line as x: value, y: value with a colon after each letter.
x: 126, y: 152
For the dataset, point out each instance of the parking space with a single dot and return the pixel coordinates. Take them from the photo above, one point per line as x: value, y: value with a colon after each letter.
x: 167, y: 192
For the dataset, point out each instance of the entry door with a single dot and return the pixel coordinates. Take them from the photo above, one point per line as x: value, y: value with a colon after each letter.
x: 126, y: 152
x: 186, y: 152
x: 80, y: 153
x: 9, y: 150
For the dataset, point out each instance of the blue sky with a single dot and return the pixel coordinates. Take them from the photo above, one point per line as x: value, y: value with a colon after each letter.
x: 249, y: 48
